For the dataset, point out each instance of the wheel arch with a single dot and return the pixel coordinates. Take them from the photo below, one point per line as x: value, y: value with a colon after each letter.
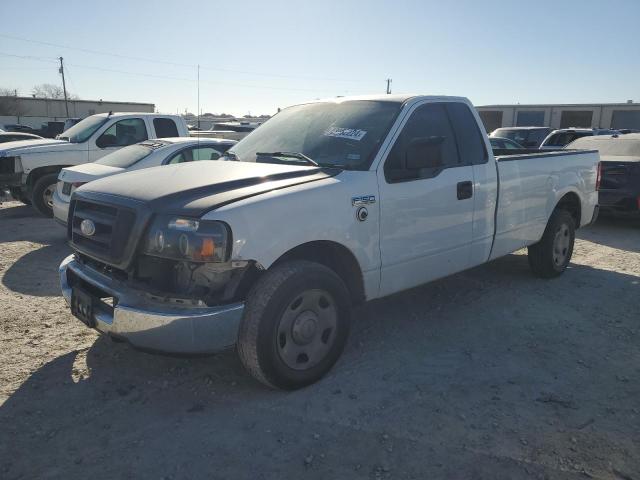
x: 335, y: 256
x: 36, y: 173
x: 572, y: 203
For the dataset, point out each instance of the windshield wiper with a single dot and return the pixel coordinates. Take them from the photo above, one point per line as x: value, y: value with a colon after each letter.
x: 297, y: 155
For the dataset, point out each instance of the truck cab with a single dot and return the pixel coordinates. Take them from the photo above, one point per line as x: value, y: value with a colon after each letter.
x: 30, y: 170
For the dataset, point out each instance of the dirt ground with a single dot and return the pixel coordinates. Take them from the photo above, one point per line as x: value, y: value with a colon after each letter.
x: 490, y: 374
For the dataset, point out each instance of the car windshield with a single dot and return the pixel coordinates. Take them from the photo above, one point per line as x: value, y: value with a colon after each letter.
x: 344, y: 134
x: 127, y: 156
x: 612, y: 146
x: 82, y: 130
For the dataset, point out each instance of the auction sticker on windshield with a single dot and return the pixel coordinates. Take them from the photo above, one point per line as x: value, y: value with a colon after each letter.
x: 350, y: 133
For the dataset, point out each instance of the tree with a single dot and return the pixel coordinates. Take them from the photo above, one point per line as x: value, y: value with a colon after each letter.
x: 49, y: 90
x: 10, y: 104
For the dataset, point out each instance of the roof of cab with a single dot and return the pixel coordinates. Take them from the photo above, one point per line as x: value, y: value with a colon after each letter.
x: 395, y: 98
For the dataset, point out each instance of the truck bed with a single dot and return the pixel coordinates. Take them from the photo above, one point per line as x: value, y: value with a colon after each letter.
x: 529, y: 186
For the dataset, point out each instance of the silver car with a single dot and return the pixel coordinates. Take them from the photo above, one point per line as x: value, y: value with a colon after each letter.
x: 150, y: 153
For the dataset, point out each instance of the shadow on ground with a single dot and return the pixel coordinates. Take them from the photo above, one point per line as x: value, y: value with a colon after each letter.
x: 620, y: 233
x: 462, y: 378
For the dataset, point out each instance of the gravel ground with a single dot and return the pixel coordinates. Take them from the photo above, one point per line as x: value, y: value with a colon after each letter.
x: 491, y: 373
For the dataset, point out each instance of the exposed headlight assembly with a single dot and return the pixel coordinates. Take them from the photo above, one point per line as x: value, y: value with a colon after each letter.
x: 188, y: 239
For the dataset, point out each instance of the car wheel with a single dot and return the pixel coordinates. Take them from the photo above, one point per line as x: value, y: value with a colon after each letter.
x: 551, y: 255
x: 42, y: 194
x: 295, y: 325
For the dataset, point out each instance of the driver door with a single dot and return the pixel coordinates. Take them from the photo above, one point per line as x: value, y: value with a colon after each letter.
x: 426, y: 213
x: 120, y: 134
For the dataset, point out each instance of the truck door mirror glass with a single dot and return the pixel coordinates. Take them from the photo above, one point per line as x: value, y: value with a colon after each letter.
x: 425, y: 152
x: 106, y: 141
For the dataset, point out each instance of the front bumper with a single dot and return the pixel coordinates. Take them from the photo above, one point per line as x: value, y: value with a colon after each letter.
x: 60, y: 208
x: 151, y: 325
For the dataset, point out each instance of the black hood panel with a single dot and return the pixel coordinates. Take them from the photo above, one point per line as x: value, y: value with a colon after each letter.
x: 196, y: 188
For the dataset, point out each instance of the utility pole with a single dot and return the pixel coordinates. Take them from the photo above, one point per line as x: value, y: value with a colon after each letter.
x: 389, y: 86
x: 64, y: 87
x: 198, y: 96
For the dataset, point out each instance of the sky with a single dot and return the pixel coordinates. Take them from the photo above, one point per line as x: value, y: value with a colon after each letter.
x: 257, y: 56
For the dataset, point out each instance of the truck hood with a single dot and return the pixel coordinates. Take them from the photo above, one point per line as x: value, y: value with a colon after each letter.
x: 87, y: 172
x: 35, y: 146
x: 192, y: 189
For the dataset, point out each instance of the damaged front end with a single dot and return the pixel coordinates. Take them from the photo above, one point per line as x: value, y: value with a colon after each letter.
x: 180, y: 293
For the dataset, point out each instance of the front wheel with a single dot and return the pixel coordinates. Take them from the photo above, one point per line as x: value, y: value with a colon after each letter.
x: 551, y: 255
x: 295, y: 325
x: 42, y: 195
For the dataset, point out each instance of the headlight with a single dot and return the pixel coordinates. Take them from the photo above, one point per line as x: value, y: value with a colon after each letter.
x: 188, y: 239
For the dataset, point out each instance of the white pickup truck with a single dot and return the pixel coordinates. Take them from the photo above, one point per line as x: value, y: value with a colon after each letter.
x: 326, y: 205
x: 30, y: 168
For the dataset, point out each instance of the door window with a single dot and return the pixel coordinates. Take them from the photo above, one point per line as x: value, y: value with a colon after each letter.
x: 122, y: 133
x: 425, y: 146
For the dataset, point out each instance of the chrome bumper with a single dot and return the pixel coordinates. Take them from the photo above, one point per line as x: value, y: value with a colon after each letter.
x: 152, y: 326
x: 60, y: 208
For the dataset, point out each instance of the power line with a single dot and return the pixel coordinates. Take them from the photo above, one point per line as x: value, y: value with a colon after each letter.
x: 182, y: 79
x: 186, y: 65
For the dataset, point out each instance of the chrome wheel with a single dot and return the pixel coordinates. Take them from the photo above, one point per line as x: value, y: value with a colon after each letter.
x: 561, y: 244
x: 47, y: 195
x: 307, y: 329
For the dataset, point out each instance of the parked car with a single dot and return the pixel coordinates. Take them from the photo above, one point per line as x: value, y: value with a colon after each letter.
x: 150, y: 153
x: 229, y: 134
x: 504, y: 144
x: 17, y: 127
x: 50, y: 129
x: 31, y: 169
x: 528, y: 137
x: 560, y: 138
x: 17, y: 136
x: 70, y: 122
x: 619, y: 174
x: 326, y: 205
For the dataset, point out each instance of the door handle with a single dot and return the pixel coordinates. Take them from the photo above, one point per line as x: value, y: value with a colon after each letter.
x: 465, y: 190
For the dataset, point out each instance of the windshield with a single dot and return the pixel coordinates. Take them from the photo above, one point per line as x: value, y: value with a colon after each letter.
x: 127, y: 156
x: 346, y: 134
x: 82, y: 130
x: 623, y: 147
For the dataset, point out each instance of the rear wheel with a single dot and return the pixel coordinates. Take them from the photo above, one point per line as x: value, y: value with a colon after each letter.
x: 295, y: 325
x: 551, y: 255
x: 42, y: 194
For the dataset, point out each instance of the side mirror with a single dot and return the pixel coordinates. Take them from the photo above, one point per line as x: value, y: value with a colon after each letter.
x: 106, y: 141
x: 425, y: 152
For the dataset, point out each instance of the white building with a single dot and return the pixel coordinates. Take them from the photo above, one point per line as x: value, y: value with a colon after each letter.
x: 35, y: 111
x: 592, y: 115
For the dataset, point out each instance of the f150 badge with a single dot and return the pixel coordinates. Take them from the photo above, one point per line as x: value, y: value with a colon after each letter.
x: 363, y: 200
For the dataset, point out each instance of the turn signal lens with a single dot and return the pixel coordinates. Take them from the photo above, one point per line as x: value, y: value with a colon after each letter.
x: 208, y: 248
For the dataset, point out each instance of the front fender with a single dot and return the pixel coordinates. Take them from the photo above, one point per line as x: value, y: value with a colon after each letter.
x: 267, y: 226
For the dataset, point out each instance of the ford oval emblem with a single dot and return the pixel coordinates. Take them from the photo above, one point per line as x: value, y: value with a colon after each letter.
x: 87, y: 227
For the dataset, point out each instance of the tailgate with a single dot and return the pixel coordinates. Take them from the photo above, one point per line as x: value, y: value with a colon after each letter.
x: 620, y: 175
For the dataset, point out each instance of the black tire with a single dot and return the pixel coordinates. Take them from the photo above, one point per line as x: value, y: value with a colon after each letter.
x: 19, y: 195
x: 272, y: 300
x: 39, y: 195
x: 550, y: 256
